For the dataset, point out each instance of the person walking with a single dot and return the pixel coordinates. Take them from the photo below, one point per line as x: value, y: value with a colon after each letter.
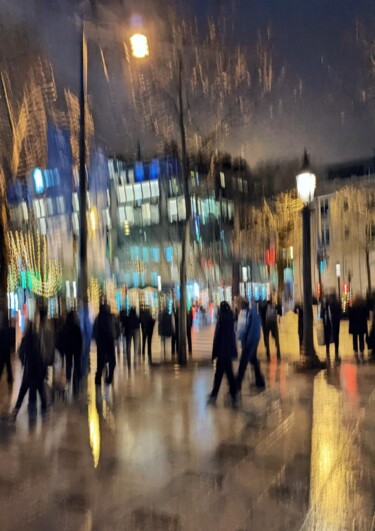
x: 132, y: 334
x: 358, y: 315
x: 331, y: 315
x: 189, y: 325
x: 269, y: 313
x: 6, y: 349
x: 147, y: 326
x: 248, y: 333
x: 104, y: 335
x: 33, y: 370
x: 174, y: 340
x: 71, y: 344
x: 224, y: 351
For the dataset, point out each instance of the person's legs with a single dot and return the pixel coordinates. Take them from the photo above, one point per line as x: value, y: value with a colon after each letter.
x: 361, y: 344
x: 218, y: 377
x: 2, y: 364
x: 77, y: 372
x: 266, y: 339
x: 173, y: 344
x: 111, y: 367
x: 244, y: 360
x: 22, y: 392
x: 275, y: 335
x: 231, y: 379
x: 336, y: 339
x: 149, y: 347
x: 128, y: 348
x: 8, y: 362
x: 355, y: 343
x: 190, y: 344
x: 259, y: 379
x: 99, y: 367
x: 40, y: 387
x: 68, y: 366
x: 144, y: 340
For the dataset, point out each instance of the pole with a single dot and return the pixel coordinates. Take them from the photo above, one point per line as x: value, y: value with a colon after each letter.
x: 82, y: 244
x: 308, y: 339
x: 339, y: 287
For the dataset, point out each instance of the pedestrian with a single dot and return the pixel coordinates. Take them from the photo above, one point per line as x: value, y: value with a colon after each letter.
x: 189, y: 325
x: 6, y: 348
x: 330, y: 313
x: 46, y: 333
x: 269, y: 313
x: 174, y: 340
x: 166, y: 327
x: 33, y: 370
x: 132, y: 326
x: 123, y: 317
x: 71, y: 344
x: 224, y: 351
x: 248, y: 333
x: 298, y: 309
x: 147, y: 326
x: 371, y: 340
x: 358, y: 315
x: 104, y: 335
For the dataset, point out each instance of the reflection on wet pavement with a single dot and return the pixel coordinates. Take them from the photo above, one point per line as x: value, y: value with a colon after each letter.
x: 147, y: 453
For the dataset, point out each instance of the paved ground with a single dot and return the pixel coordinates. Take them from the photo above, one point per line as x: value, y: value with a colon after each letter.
x: 148, y: 454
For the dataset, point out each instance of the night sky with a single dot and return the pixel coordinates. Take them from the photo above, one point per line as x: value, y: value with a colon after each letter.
x: 323, y: 94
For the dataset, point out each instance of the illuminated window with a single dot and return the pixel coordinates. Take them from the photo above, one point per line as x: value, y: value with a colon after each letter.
x: 146, y: 214
x: 155, y: 169
x: 139, y: 171
x: 181, y: 207
x: 172, y: 209
x: 121, y: 194
x: 121, y: 215
x: 169, y: 254
x: 137, y: 192
x: 129, y: 214
x: 155, y: 254
x: 154, y: 278
x: 154, y: 188
x: 145, y: 255
x: 146, y: 190
x: 134, y: 252
x: 154, y: 214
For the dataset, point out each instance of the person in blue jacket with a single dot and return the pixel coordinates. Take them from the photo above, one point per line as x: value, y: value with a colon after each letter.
x: 249, y: 338
x: 224, y: 351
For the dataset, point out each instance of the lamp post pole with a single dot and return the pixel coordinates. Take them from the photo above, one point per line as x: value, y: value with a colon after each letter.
x: 306, y: 182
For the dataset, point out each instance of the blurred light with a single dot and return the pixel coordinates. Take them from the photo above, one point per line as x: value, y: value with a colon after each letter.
x: 139, y: 46
x: 159, y: 283
x: 74, y: 289
x: 67, y: 288
x: 93, y: 219
x: 306, y: 183
x: 38, y: 180
x: 338, y: 270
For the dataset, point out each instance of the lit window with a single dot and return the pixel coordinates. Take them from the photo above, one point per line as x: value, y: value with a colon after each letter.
x: 169, y: 254
x: 172, y: 209
x: 181, y: 207
x: 146, y: 190
x: 155, y: 254
x: 121, y: 215
x: 129, y: 214
x: 134, y: 252
x: 154, y: 188
x: 154, y: 214
x: 146, y: 214
x: 129, y: 193
x: 121, y: 194
x: 137, y: 192
x: 145, y: 255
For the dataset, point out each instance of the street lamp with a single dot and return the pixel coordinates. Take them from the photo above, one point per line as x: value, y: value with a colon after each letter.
x: 139, y: 46
x: 306, y: 182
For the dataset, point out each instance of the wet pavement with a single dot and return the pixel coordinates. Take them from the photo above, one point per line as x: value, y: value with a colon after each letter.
x: 148, y: 454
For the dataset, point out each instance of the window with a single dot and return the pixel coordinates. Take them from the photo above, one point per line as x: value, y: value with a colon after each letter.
x: 324, y: 206
x: 346, y: 233
x: 134, y: 252
x: 346, y: 205
x: 146, y: 214
x: 145, y: 255
x: 155, y: 254
x: 168, y: 254
x: 172, y: 210
x: 325, y: 236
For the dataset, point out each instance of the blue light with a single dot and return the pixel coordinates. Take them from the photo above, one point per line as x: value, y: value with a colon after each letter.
x: 139, y: 171
x: 38, y: 181
x: 154, y: 169
x: 168, y: 254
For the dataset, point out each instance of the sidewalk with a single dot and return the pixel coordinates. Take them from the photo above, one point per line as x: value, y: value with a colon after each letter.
x: 148, y: 453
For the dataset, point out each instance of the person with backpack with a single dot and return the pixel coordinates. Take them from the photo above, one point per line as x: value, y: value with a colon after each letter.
x: 224, y: 351
x: 104, y: 335
x: 248, y: 333
x: 269, y: 313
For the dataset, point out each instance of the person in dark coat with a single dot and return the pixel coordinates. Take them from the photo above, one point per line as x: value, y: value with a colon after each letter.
x: 189, y: 325
x: 70, y: 345
x: 147, y: 326
x: 358, y: 315
x: 224, y: 351
x: 331, y: 315
x: 6, y: 349
x: 249, y: 346
x: 33, y: 370
x: 132, y: 334
x: 298, y: 309
x: 174, y: 341
x: 371, y: 340
x: 269, y: 313
x: 104, y: 335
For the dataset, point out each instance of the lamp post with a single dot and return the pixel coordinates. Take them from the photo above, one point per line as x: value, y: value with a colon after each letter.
x: 306, y: 182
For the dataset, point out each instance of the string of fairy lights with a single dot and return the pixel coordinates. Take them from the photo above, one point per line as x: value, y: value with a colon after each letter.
x: 30, y: 267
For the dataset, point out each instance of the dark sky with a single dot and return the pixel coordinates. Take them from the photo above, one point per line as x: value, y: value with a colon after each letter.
x: 322, y: 82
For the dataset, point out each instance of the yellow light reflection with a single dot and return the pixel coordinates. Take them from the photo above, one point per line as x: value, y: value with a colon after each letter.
x: 93, y: 419
x: 139, y: 46
x: 331, y: 458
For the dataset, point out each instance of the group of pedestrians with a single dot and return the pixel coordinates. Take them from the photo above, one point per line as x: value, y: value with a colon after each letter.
x: 358, y: 314
x: 224, y: 349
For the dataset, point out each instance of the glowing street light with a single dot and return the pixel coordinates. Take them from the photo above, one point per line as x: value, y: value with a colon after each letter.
x: 139, y: 46
x: 306, y: 182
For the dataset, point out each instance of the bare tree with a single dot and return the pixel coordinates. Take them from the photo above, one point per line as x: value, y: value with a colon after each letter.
x: 353, y: 216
